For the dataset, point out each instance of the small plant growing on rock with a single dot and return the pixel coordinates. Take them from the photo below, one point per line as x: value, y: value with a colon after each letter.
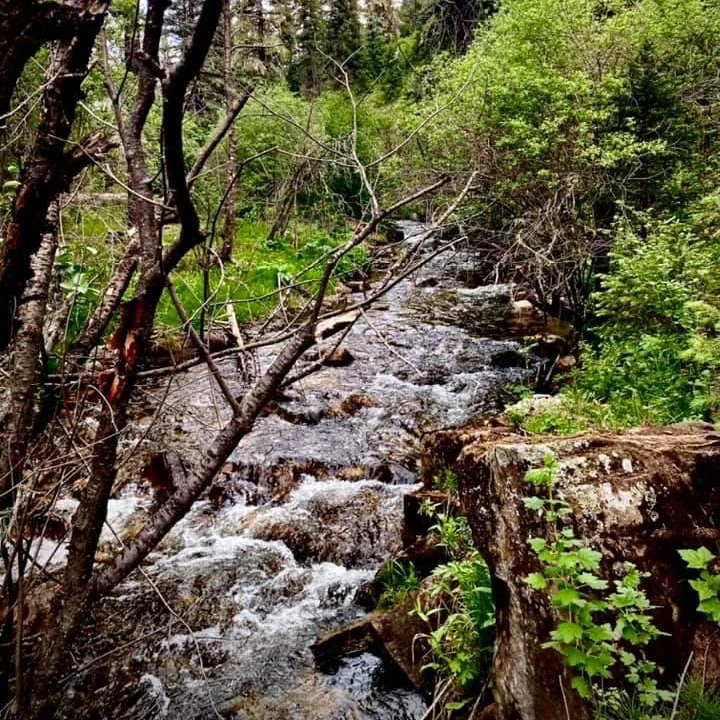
x: 446, y: 481
x: 707, y: 585
x: 455, y: 535
x: 461, y: 645
x: 398, y: 580
x: 600, y: 631
x: 457, y: 604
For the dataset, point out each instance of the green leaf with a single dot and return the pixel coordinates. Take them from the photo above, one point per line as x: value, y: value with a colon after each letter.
x: 536, y: 581
x: 698, y: 559
x: 600, y: 633
x: 704, y: 589
x: 590, y: 559
x: 458, y: 704
x: 537, y: 544
x: 567, y: 632
x: 567, y: 597
x: 534, y: 503
x: 539, y: 476
x: 574, y: 657
x: 712, y: 608
x: 597, y: 666
x: 582, y: 687
x: 592, y: 581
x: 627, y: 658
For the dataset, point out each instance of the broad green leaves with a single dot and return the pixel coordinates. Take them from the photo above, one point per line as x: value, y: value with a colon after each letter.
x: 707, y: 585
x: 699, y: 559
x: 597, y: 630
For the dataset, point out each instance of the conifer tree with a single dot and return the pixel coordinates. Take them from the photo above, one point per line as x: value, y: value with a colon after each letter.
x: 384, y: 15
x: 344, y: 38
x: 284, y: 12
x: 443, y: 25
x: 306, y: 73
x: 451, y: 25
x: 381, y: 31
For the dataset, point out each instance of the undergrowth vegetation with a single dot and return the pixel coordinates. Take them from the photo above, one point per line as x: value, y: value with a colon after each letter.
x: 251, y: 283
x: 398, y: 581
x: 603, y: 627
x: 456, y: 603
x: 262, y: 268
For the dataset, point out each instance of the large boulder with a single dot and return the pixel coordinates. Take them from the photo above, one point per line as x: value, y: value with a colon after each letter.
x: 638, y: 496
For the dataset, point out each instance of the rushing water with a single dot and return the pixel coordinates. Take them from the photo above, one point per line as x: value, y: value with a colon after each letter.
x: 221, y: 619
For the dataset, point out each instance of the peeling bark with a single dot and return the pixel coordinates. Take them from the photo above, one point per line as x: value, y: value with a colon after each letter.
x: 27, y: 367
x: 45, y: 175
x: 27, y: 26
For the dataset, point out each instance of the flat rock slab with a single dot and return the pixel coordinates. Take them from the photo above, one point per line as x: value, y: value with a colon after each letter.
x: 392, y: 635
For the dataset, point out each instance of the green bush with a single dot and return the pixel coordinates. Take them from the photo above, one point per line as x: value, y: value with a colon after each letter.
x: 658, y: 354
x: 460, y: 596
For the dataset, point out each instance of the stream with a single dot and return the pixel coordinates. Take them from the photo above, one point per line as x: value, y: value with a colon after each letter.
x: 308, y: 506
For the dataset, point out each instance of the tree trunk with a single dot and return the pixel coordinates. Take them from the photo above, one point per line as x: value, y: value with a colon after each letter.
x: 130, y: 339
x: 44, y: 175
x: 228, y: 231
x: 27, y: 368
x: 27, y: 26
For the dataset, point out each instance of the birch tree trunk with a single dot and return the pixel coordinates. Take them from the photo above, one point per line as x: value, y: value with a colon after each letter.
x: 228, y: 231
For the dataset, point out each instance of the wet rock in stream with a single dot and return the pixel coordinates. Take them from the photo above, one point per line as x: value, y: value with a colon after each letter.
x: 305, y: 510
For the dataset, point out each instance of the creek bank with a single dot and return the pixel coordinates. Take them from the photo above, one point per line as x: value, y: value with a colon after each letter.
x: 222, y: 617
x: 637, y: 496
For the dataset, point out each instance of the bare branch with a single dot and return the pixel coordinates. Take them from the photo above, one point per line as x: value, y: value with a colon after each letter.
x: 202, y: 349
x: 188, y: 491
x: 218, y: 136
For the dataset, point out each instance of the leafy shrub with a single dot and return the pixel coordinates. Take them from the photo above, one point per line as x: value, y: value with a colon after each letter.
x: 460, y: 596
x: 657, y: 355
x: 599, y: 631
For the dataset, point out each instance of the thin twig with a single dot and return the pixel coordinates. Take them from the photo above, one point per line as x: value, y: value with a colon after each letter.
x: 680, y: 686
x: 202, y: 349
x: 565, y: 702
x: 382, y: 339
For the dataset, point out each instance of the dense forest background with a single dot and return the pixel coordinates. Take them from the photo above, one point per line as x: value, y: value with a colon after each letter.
x: 592, y: 130
x: 161, y: 162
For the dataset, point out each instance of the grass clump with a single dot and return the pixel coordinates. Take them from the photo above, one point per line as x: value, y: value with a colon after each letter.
x: 458, y: 605
x: 398, y: 580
